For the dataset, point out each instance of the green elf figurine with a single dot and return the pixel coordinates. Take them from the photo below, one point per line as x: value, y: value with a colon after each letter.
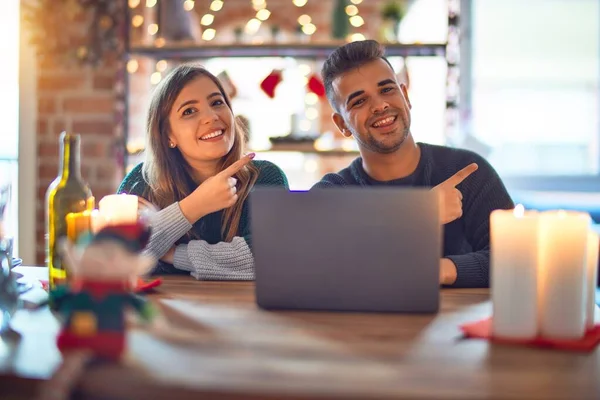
x: 94, y: 302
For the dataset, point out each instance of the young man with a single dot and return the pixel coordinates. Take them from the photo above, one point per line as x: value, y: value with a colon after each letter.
x: 370, y: 105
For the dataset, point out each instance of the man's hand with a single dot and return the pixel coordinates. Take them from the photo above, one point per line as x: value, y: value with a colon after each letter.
x: 450, y: 197
x: 215, y: 193
x: 448, y: 273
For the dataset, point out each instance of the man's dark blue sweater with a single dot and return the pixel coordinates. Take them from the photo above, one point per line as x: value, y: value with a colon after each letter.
x: 467, y: 239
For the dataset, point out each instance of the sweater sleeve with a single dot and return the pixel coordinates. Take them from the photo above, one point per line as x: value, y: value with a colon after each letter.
x: 221, y: 261
x: 228, y: 260
x: 329, y: 181
x: 270, y: 175
x: 482, y: 195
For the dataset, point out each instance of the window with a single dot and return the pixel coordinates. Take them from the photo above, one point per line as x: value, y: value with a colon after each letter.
x: 9, y: 72
x: 535, y: 81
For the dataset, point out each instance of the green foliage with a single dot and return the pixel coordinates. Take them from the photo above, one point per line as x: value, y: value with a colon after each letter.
x: 340, y: 26
x: 393, y: 9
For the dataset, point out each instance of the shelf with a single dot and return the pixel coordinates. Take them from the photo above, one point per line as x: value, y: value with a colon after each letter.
x: 186, y: 52
x: 306, y: 149
x: 309, y: 149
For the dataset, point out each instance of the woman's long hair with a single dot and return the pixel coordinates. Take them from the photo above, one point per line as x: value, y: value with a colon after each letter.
x: 166, y: 171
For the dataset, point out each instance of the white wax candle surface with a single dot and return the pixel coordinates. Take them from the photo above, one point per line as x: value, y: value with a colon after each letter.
x: 563, y: 258
x: 592, y: 278
x: 118, y: 209
x: 514, y: 277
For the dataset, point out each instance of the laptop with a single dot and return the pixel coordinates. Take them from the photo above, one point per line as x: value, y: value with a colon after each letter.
x: 346, y: 249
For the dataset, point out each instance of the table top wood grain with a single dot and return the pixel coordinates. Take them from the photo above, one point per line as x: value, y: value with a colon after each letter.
x: 211, y: 339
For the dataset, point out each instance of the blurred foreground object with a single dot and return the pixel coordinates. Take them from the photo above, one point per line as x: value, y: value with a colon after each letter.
x: 94, y: 301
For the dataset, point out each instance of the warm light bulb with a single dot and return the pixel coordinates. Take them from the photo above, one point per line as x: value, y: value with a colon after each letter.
x: 309, y: 29
x: 299, y: 3
x: 162, y: 65
x: 356, y: 1
x: 134, y: 3
x: 351, y: 10
x: 160, y: 42
x: 263, y: 14
x: 216, y: 5
x: 132, y: 66
x: 304, y: 19
x: 137, y: 21
x: 155, y: 78
x: 152, y: 29
x: 311, y: 98
x: 188, y: 5
x: 209, y: 34
x: 252, y: 26
x: 207, y: 19
x: 150, y: 3
x: 304, y: 69
x: 519, y: 211
x: 259, y: 4
x: 357, y: 37
x: 312, y: 113
x: 357, y: 21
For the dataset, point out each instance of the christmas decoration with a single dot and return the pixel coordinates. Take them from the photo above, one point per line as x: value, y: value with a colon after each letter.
x: 391, y: 15
x: 93, y: 303
x: 316, y: 86
x: 269, y: 84
x: 340, y: 26
x: 56, y: 29
x: 228, y: 84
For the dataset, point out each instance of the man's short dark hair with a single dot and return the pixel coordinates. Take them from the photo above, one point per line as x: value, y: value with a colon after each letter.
x: 346, y: 58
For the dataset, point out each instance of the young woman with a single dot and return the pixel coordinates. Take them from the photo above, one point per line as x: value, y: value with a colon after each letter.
x: 196, y: 174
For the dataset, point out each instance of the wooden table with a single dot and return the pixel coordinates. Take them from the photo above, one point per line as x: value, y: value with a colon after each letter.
x: 215, y: 342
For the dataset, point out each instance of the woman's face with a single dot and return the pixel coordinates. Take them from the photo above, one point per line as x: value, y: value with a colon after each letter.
x: 201, y: 122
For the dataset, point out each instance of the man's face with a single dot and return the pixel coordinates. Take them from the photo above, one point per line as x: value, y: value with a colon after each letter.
x: 373, y: 107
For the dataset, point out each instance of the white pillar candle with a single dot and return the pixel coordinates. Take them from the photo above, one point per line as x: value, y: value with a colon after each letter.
x: 118, y: 209
x: 563, y: 259
x: 514, y: 280
x: 592, y: 278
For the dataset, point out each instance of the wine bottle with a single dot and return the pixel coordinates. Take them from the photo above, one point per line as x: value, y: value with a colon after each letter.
x: 68, y: 193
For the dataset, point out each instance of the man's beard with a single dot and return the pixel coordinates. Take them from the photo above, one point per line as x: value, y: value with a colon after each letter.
x: 381, y: 147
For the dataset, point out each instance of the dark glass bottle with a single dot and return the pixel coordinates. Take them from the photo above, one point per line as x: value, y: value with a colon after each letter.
x: 68, y: 193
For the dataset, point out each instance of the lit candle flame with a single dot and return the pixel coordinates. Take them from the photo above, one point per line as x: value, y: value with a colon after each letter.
x: 561, y: 214
x: 519, y: 211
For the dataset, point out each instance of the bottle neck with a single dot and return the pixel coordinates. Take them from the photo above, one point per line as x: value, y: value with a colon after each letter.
x: 70, y: 167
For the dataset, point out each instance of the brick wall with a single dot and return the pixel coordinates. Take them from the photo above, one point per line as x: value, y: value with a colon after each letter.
x: 80, y: 100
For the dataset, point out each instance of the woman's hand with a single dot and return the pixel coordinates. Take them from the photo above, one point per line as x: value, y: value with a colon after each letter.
x: 169, y: 256
x: 215, y: 193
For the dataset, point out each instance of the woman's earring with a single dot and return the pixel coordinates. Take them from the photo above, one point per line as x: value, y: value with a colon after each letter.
x: 172, y: 145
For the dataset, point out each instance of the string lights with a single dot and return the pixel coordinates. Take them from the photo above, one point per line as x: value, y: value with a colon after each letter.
x: 305, y: 22
x: 188, y: 5
x: 355, y: 20
x: 208, y: 19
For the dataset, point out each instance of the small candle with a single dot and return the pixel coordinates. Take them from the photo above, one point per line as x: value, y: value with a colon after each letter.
x: 592, y: 276
x: 96, y: 221
x: 563, y: 258
x: 77, y: 224
x: 514, y: 280
x: 118, y: 209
